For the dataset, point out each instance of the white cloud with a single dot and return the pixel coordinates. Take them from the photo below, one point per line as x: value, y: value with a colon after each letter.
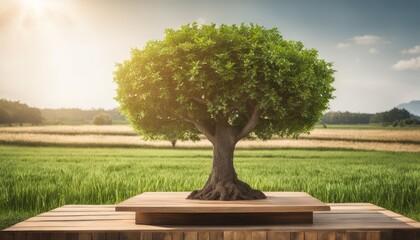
x: 342, y: 45
x: 411, y: 64
x: 366, y: 39
x: 373, y: 50
x: 413, y: 50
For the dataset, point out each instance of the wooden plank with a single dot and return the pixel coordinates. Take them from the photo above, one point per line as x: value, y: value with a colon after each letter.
x: 326, y: 235
x: 85, y: 213
x: 112, y: 235
x: 176, y: 202
x: 311, y: 236
x: 373, y: 235
x: 278, y: 235
x: 98, y: 236
x: 340, y: 235
x: 166, y: 236
x: 356, y: 235
x: 222, y: 218
x: 157, y: 236
x: 60, y: 235
x: 228, y: 235
x: 87, y: 206
x: 297, y: 236
x: 400, y: 234
x: 45, y: 235
x: 177, y: 236
x: 259, y: 235
x: 203, y: 236
x: 216, y: 235
x: 146, y: 236
x: 7, y: 236
x: 130, y: 226
x: 279, y: 216
x: 190, y: 235
x: 81, y: 218
x: 131, y: 236
x: 33, y: 236
x: 387, y: 235
x: 85, y: 236
x: 248, y: 235
x: 362, y: 217
x: 239, y: 235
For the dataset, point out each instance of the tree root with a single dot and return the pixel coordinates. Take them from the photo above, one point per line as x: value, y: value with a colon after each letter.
x: 227, y: 191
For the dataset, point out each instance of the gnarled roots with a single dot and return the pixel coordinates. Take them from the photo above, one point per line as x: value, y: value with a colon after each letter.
x: 226, y: 191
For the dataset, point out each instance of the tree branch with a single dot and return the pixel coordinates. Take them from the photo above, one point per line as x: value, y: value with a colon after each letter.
x: 200, y: 126
x: 250, y: 125
x: 203, y: 129
x: 199, y: 100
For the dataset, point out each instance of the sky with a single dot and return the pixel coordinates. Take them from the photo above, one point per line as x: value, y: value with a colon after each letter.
x: 62, y: 53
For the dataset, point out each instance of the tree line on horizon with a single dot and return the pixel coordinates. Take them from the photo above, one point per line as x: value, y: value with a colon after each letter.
x: 395, y: 117
x: 15, y: 112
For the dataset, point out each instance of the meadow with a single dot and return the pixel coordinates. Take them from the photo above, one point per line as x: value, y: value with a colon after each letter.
x: 37, y: 179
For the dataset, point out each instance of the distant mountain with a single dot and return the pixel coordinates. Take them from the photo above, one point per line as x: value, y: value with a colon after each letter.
x: 413, y: 107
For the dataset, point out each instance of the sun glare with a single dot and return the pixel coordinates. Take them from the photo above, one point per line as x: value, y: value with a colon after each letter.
x: 36, y: 5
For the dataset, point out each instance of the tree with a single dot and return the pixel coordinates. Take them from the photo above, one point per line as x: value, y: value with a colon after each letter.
x: 225, y: 82
x: 102, y: 119
x: 345, y: 118
x: 16, y: 112
x: 392, y: 116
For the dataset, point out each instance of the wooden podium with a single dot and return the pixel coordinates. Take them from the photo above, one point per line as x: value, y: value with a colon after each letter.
x: 172, y: 208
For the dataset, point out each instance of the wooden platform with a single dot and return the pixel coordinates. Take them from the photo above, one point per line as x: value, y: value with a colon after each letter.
x: 345, y: 221
x: 172, y: 208
x: 176, y: 202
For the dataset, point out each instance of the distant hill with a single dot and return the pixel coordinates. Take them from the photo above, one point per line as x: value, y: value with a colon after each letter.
x: 413, y: 107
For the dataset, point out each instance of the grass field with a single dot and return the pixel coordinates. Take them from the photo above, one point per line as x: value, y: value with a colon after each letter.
x: 37, y: 179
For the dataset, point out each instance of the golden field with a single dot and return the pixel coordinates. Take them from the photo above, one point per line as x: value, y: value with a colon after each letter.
x: 123, y: 136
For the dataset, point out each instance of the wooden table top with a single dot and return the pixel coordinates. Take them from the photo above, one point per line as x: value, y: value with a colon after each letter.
x: 176, y: 202
x: 91, y: 218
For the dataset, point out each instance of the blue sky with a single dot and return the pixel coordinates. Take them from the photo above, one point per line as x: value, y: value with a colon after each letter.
x: 62, y: 53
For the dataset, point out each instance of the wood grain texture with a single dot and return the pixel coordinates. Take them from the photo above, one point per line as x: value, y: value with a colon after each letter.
x: 297, y: 236
x: 278, y: 235
x: 203, y: 236
x: 177, y: 236
x: 404, y: 235
x: 218, y: 219
x: 190, y: 236
x: 259, y: 235
x: 326, y: 235
x: 356, y: 235
x: 216, y: 235
x: 340, y: 235
x: 176, y: 202
x: 373, y: 235
x: 356, y: 221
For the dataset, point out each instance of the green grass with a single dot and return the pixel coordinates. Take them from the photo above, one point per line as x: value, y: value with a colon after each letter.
x: 37, y: 179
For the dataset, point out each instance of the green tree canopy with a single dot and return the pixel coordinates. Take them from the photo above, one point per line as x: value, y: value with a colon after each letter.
x: 198, y: 74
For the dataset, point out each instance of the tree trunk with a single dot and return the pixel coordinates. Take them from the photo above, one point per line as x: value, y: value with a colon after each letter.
x: 223, y: 183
